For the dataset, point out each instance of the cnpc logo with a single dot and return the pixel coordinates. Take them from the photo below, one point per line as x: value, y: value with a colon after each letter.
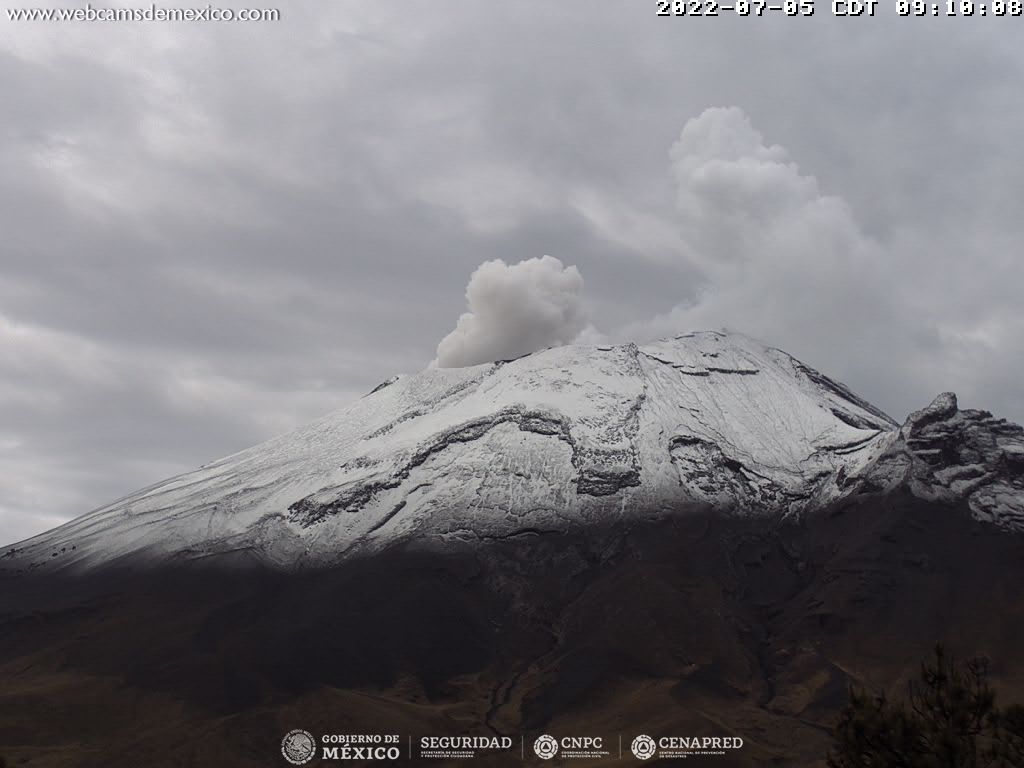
x: 547, y: 746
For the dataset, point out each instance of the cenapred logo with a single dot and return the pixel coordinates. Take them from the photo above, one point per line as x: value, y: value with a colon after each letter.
x: 546, y: 747
x: 643, y: 747
x: 680, y: 747
x: 298, y: 746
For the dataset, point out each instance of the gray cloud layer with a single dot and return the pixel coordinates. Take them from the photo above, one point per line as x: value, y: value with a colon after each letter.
x: 216, y: 232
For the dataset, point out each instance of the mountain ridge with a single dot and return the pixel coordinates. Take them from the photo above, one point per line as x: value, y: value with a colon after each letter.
x: 566, y: 436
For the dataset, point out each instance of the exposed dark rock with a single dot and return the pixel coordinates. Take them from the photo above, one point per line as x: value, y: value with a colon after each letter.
x: 943, y: 407
x: 945, y: 453
x: 382, y: 385
x: 605, y: 482
x: 737, y: 371
x: 708, y: 475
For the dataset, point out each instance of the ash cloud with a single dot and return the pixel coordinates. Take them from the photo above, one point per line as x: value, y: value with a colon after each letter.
x: 514, y: 310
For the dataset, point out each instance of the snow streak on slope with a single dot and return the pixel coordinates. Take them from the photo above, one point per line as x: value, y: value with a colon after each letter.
x: 559, y: 438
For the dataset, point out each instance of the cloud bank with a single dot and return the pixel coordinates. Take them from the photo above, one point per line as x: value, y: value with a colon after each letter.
x: 515, y: 310
x: 778, y: 257
x: 762, y: 248
x: 198, y: 252
x: 783, y: 260
x: 772, y: 254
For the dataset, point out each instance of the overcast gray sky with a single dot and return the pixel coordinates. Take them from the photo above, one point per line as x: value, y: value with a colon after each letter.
x: 214, y: 232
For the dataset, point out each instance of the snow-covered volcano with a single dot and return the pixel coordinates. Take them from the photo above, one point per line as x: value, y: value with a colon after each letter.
x: 561, y: 438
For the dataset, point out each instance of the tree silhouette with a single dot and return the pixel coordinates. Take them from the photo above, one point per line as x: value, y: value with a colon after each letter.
x: 949, y: 719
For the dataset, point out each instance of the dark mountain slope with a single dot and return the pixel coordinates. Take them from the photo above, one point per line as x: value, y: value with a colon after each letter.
x: 703, y: 623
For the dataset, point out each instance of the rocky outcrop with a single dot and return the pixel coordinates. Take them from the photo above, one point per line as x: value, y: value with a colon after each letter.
x: 946, y: 454
x: 711, y: 477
